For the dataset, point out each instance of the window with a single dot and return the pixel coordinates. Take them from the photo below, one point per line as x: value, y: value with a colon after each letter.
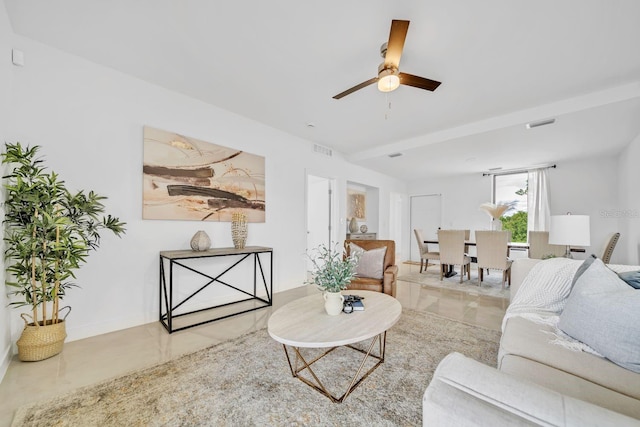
x: 512, y: 189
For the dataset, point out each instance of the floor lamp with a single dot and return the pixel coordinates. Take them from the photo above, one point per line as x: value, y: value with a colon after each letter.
x: 569, y: 230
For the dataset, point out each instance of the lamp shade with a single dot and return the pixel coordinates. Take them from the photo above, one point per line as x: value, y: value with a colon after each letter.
x: 570, y: 230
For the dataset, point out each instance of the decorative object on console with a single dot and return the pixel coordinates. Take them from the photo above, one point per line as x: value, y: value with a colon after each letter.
x: 364, y: 228
x: 239, y: 229
x: 332, y: 273
x: 353, y: 225
x: 189, y: 179
x: 569, y: 230
x: 200, y: 241
x: 49, y: 233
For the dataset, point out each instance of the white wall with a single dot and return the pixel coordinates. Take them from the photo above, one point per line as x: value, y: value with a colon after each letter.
x: 5, y: 90
x: 582, y: 187
x: 89, y: 120
x: 588, y: 187
x: 460, y: 201
x: 627, y: 212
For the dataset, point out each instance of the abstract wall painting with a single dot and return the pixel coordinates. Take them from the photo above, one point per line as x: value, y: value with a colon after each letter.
x: 357, y: 201
x: 189, y: 179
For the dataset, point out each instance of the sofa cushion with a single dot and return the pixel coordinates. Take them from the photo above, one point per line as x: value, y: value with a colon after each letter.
x: 370, y: 263
x: 602, y: 312
x: 631, y: 277
x: 533, y: 341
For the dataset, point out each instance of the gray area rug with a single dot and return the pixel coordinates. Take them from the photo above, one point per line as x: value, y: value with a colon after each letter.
x: 247, y: 382
x: 491, y: 283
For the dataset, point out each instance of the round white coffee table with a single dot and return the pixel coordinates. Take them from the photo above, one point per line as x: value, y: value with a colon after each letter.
x: 303, y: 323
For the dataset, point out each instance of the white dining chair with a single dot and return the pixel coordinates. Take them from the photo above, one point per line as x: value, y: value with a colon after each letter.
x: 539, y: 246
x: 492, y: 251
x: 452, y: 252
x: 425, y: 254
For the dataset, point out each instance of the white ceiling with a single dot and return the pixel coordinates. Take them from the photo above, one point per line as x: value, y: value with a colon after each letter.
x: 502, y: 63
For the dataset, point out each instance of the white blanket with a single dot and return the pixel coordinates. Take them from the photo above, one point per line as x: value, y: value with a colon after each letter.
x: 542, y: 296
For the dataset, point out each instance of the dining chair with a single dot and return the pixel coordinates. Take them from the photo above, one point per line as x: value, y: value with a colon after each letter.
x: 452, y: 252
x: 492, y: 250
x: 608, y: 251
x: 425, y: 255
x: 539, y: 246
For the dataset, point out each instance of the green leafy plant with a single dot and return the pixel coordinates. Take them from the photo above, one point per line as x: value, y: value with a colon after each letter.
x: 49, y: 232
x: 333, y: 270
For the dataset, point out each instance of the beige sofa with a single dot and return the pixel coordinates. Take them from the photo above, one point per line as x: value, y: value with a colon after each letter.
x: 538, y: 382
x: 527, y: 352
x: 465, y: 392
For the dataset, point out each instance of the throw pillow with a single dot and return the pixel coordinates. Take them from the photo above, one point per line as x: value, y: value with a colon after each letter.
x: 583, y: 267
x: 370, y: 263
x: 631, y: 277
x: 602, y: 312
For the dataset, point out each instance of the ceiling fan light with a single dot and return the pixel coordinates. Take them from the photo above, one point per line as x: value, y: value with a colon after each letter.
x: 388, y: 81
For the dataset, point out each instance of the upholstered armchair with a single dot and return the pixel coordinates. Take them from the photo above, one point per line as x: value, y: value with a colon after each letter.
x: 376, y: 272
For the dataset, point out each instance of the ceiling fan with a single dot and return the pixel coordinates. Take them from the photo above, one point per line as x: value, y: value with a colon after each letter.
x: 389, y: 76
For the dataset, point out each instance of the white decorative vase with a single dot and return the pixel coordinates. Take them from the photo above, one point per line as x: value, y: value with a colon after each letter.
x: 496, y: 224
x: 333, y: 303
x: 200, y: 241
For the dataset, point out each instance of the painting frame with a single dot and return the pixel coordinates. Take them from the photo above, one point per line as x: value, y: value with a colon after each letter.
x: 190, y: 179
x: 357, y: 204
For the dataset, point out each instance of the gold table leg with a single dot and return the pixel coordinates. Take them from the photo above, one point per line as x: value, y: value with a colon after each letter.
x: 381, y: 339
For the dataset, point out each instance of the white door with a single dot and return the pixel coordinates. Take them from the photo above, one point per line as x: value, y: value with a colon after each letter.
x: 426, y: 214
x: 319, y: 206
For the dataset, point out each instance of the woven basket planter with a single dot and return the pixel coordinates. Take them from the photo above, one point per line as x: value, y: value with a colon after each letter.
x: 39, y: 342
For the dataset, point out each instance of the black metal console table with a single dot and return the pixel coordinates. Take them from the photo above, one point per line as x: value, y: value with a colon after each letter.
x: 180, y: 258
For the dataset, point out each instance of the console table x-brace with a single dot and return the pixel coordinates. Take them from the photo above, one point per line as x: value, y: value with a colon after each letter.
x: 172, y: 259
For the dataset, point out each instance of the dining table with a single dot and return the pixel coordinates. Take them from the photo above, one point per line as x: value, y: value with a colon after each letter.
x: 515, y: 246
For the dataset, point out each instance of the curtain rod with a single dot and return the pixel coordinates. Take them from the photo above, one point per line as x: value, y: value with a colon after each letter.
x: 510, y: 171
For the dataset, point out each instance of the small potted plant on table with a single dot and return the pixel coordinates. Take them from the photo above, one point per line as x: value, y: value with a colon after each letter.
x: 49, y: 233
x: 332, y: 273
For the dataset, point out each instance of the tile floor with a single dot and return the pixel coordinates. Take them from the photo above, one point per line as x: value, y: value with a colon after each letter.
x: 98, y: 358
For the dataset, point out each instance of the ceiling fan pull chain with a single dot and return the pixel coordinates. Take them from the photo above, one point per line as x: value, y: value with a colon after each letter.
x: 388, y: 112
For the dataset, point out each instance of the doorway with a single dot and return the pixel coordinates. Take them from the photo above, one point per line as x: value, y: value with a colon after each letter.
x: 320, y: 205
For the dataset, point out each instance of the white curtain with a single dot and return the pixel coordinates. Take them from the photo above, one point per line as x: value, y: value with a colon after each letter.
x: 539, y: 212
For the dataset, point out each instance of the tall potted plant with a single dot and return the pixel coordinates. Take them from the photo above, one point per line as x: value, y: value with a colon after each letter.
x: 49, y: 232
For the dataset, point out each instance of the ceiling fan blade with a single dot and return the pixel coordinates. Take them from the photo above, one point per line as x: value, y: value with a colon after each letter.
x: 355, y: 88
x: 397, y: 35
x: 419, y: 82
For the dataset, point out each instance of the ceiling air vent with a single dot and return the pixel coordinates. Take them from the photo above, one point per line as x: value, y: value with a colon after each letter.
x: 395, y: 155
x: 322, y: 150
